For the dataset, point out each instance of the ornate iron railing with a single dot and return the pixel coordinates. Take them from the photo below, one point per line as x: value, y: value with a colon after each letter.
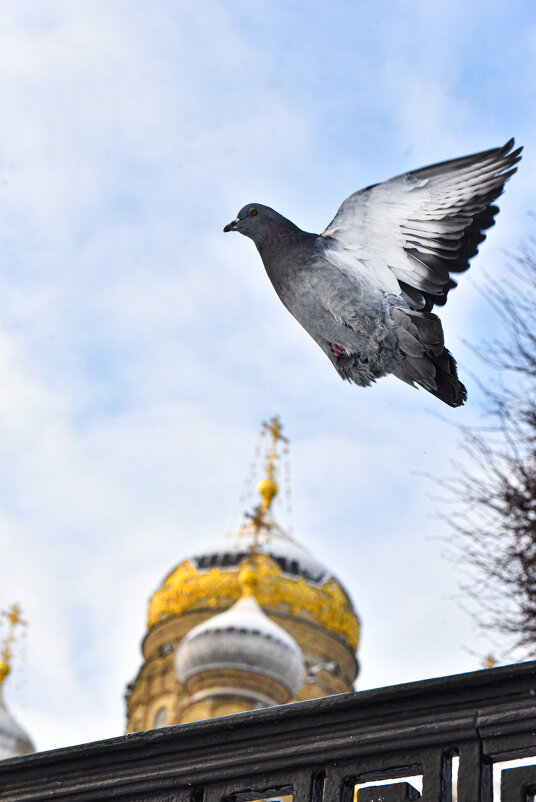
x: 318, y: 751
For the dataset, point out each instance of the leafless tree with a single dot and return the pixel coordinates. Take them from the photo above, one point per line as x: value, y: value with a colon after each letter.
x: 492, y: 506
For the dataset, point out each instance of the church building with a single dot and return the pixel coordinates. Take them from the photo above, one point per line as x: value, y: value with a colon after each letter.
x: 248, y: 621
x: 14, y: 740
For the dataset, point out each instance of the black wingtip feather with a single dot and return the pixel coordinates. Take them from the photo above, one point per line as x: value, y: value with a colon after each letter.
x: 450, y: 390
x: 474, y: 233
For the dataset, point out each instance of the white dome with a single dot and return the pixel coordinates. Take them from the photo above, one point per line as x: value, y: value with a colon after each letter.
x: 13, y: 739
x: 291, y: 556
x: 242, y: 638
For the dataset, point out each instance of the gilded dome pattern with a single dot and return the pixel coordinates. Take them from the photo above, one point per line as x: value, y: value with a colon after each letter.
x: 187, y: 588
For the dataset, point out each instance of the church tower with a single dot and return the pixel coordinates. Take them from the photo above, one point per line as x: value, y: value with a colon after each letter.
x: 249, y: 621
x: 13, y: 739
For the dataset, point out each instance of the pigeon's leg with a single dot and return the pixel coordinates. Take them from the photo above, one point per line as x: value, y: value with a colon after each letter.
x: 337, y: 349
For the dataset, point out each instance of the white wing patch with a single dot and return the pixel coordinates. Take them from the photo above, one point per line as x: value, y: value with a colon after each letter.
x: 420, y: 227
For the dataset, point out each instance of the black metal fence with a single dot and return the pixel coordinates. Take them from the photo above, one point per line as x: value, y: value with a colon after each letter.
x: 408, y: 737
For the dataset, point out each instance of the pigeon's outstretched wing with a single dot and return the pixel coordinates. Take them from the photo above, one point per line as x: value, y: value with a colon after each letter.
x: 409, y: 234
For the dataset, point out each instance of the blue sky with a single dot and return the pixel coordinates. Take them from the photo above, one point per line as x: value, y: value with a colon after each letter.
x: 140, y: 347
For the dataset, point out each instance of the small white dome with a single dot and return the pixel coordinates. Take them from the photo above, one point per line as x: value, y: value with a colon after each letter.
x: 13, y: 739
x: 242, y: 638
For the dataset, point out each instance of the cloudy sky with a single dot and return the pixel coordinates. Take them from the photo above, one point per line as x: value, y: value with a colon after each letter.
x: 140, y: 347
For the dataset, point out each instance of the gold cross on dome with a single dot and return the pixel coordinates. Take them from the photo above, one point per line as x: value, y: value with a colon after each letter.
x: 268, y: 487
x: 15, y: 619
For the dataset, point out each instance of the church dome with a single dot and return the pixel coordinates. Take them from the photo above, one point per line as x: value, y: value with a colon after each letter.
x: 290, y: 581
x: 210, y: 651
x: 13, y: 739
x: 242, y: 639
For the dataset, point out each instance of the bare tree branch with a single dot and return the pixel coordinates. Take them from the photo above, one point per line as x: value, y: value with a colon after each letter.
x: 492, y: 496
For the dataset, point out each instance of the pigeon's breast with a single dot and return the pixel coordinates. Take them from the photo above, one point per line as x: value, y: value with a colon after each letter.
x: 331, y: 306
x: 290, y: 266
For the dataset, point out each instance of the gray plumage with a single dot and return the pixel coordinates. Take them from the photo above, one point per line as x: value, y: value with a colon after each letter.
x: 365, y: 287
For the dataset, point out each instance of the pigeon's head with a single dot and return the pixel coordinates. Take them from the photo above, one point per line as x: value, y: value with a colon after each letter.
x: 255, y: 221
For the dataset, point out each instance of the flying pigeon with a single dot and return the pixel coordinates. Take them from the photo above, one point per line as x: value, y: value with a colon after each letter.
x: 364, y: 288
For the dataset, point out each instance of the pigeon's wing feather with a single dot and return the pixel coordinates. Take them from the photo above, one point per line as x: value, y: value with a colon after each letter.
x: 410, y: 233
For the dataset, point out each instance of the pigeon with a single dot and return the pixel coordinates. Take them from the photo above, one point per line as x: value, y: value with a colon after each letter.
x: 364, y: 288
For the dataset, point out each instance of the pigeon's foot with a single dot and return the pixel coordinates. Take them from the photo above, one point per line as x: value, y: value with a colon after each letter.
x: 337, y: 349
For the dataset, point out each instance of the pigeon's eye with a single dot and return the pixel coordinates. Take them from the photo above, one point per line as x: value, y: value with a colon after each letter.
x: 252, y: 212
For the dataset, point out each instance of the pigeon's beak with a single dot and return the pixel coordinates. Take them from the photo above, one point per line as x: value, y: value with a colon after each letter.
x: 232, y: 225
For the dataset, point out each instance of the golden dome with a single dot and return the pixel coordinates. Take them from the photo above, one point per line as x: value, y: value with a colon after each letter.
x: 288, y: 579
x: 293, y: 591
x: 187, y: 588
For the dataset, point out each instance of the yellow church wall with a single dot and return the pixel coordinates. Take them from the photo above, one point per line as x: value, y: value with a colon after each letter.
x: 157, y: 685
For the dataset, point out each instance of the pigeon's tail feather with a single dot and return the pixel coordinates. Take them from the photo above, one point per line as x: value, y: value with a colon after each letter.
x: 438, y: 376
x: 424, y: 359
